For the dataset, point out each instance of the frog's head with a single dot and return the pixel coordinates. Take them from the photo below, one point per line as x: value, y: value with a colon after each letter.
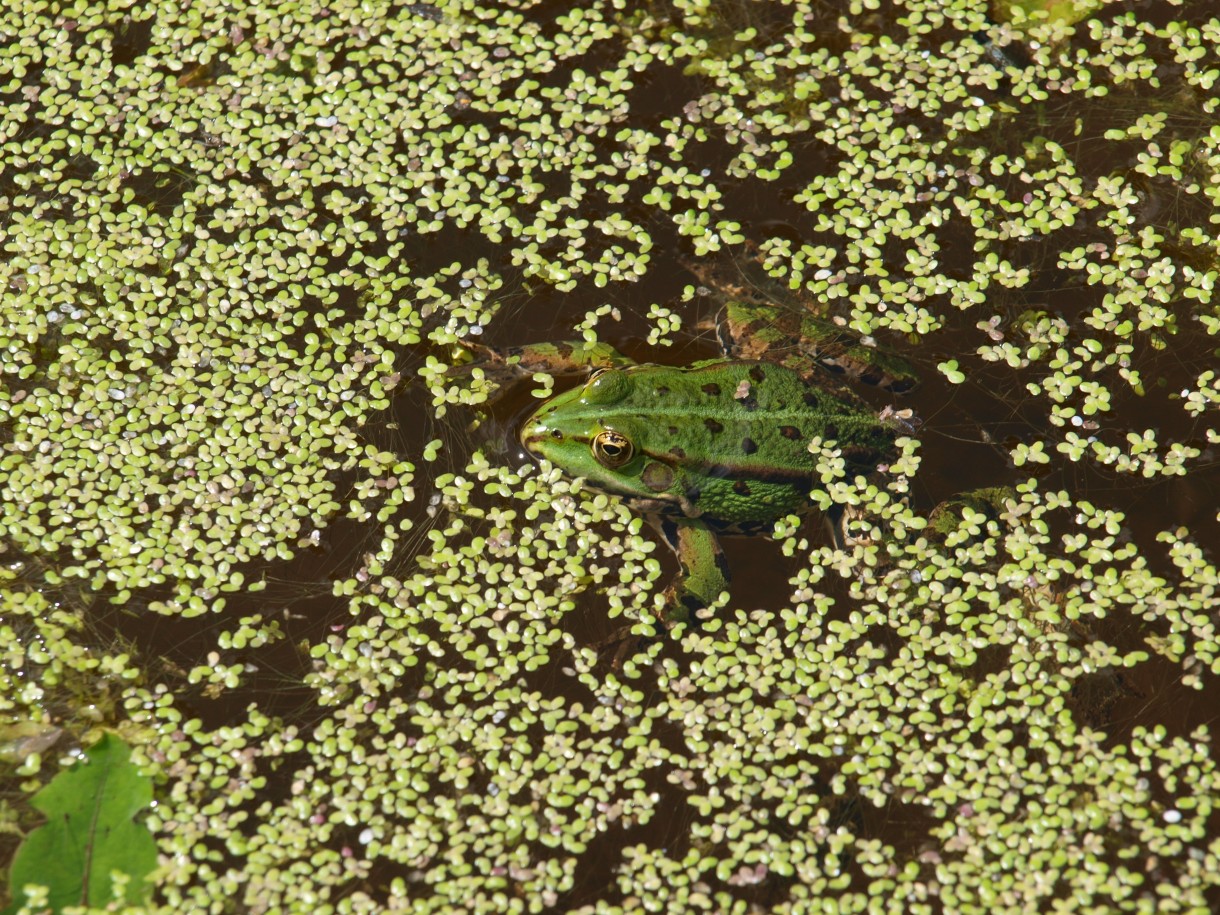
x: 594, y: 432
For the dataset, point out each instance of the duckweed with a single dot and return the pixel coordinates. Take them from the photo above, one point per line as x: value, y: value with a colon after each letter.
x: 242, y: 250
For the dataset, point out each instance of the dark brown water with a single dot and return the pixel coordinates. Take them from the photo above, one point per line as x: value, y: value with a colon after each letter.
x: 966, y: 433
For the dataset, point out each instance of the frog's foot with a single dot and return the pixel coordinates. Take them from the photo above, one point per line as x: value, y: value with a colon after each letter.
x: 839, y: 519
x: 497, y: 366
x: 966, y: 514
x: 570, y: 357
x: 704, y: 572
x: 624, y: 641
x: 739, y: 276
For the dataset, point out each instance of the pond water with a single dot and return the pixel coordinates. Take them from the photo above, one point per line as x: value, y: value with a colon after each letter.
x: 256, y: 521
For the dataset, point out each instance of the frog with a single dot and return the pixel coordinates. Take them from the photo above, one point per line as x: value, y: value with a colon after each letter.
x: 722, y: 446
x: 717, y: 447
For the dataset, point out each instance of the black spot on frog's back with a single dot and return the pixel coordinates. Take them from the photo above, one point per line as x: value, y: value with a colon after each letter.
x: 791, y: 432
x: 757, y: 374
x: 711, y: 389
x: 713, y: 426
x: 742, y: 488
x: 748, y: 445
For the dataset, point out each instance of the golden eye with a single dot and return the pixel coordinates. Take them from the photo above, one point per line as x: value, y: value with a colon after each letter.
x: 612, y: 450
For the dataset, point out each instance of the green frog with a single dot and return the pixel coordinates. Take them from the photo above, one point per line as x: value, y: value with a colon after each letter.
x: 722, y: 446
x: 717, y: 447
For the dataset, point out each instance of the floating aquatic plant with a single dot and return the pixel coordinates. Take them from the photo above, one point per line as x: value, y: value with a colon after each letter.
x: 241, y: 248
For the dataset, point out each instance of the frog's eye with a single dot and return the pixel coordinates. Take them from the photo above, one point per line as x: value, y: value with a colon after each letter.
x: 606, y: 386
x: 612, y: 450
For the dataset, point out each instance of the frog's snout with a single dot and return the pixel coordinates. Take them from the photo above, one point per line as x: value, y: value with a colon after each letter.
x: 536, y: 431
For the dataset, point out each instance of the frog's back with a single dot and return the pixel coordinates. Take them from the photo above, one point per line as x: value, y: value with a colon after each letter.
x: 741, y: 431
x: 752, y: 415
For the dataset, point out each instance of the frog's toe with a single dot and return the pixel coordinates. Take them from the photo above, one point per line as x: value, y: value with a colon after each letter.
x: 967, y: 514
x: 680, y: 606
x: 838, y: 520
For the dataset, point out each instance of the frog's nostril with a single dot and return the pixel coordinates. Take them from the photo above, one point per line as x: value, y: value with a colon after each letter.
x: 557, y: 435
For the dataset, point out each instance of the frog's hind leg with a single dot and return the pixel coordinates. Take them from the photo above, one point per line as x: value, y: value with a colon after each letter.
x: 569, y: 357
x: 703, y: 574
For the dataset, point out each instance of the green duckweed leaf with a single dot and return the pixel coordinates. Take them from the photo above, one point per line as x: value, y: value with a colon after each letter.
x: 950, y: 370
